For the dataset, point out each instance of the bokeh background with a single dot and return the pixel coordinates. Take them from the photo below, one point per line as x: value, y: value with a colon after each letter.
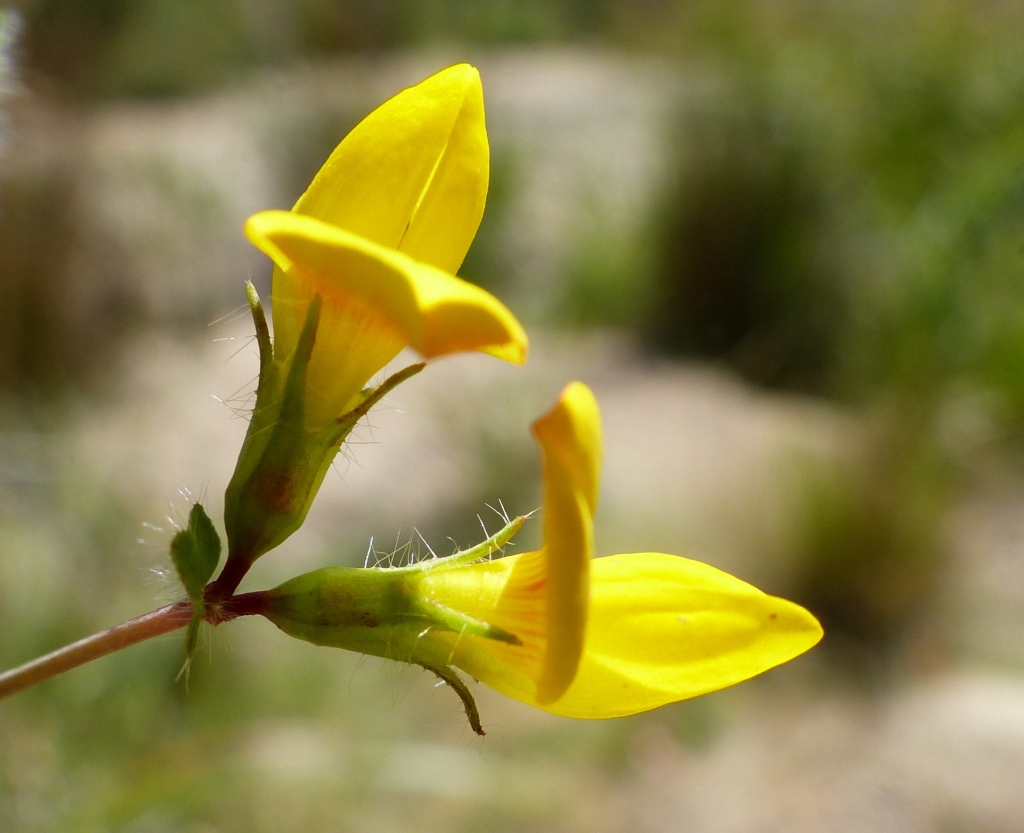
x: 784, y: 243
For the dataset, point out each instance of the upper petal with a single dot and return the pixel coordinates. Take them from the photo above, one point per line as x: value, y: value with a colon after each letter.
x: 664, y: 628
x: 437, y: 313
x: 413, y: 174
x: 570, y: 438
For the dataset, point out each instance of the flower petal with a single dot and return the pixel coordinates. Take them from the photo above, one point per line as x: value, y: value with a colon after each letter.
x: 413, y: 174
x: 376, y: 300
x: 570, y: 437
x: 539, y: 597
x: 507, y: 593
x: 664, y: 628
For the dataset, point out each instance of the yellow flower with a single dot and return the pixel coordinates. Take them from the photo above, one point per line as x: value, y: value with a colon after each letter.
x: 364, y: 266
x: 658, y: 628
x: 552, y: 628
x: 379, y: 235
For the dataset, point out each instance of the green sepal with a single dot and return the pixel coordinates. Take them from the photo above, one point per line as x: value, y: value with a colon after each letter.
x: 381, y: 611
x: 443, y: 617
x: 473, y: 554
x: 336, y: 433
x: 268, y: 392
x: 195, y: 551
x: 450, y: 676
x: 293, y: 402
x: 260, y: 501
x: 259, y: 318
x: 282, y: 464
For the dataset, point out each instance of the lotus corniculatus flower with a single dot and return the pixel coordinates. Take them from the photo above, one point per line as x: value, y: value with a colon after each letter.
x: 555, y: 628
x: 364, y: 266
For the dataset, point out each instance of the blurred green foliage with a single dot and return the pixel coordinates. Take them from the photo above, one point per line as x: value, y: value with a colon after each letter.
x: 845, y: 220
x: 847, y: 203
x: 152, y: 49
x: 842, y: 213
x: 744, y: 274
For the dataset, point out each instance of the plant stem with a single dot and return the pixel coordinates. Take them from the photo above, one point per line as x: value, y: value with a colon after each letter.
x: 228, y: 580
x: 169, y: 618
x: 156, y: 622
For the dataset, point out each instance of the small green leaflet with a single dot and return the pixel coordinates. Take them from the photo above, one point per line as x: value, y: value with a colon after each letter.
x: 195, y: 552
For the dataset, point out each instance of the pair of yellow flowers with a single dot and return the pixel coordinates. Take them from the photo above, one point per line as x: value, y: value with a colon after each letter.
x: 364, y: 266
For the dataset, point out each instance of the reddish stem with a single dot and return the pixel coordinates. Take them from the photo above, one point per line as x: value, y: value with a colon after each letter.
x: 169, y: 618
x: 156, y: 622
x: 227, y: 582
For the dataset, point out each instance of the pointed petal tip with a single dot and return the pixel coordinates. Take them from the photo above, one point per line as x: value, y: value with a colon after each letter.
x: 796, y: 624
x: 461, y: 73
x: 426, y: 150
x: 463, y: 70
x: 795, y: 617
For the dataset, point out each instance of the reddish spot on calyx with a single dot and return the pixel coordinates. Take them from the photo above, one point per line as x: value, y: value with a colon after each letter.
x: 275, y: 489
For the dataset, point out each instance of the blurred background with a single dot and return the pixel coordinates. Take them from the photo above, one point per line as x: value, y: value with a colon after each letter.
x: 784, y: 243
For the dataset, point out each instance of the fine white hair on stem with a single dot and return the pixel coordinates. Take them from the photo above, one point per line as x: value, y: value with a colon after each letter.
x: 241, y: 401
x: 231, y: 315
x: 246, y: 341
x: 501, y: 512
x: 426, y: 544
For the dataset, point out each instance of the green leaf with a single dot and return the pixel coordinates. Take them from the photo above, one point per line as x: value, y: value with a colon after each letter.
x: 195, y: 552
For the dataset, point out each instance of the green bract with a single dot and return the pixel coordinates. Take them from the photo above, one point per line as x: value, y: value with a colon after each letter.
x: 195, y: 551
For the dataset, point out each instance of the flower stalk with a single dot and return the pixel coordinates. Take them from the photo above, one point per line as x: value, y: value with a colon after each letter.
x: 166, y: 619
